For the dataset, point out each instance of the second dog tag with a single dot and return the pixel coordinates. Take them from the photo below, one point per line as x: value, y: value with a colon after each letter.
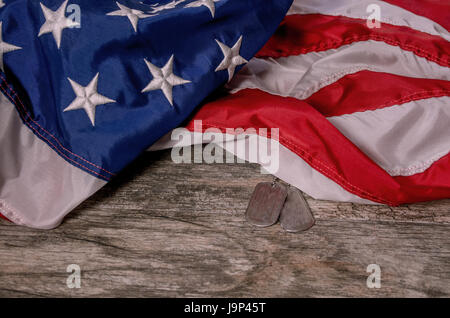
x: 266, y: 203
x: 296, y: 216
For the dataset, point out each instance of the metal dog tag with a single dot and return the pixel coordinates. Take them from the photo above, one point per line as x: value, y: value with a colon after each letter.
x: 266, y: 203
x: 296, y: 216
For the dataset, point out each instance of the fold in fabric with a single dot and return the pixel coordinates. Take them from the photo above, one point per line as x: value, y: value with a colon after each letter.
x: 95, y: 83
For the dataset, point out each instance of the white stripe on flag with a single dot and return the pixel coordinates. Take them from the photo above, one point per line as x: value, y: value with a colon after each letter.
x: 404, y: 140
x: 302, y: 75
x: 292, y: 168
x: 37, y: 187
x: 357, y: 9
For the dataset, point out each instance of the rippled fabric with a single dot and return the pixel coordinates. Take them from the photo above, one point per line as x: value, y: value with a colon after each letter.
x: 300, y: 76
x: 37, y: 187
x: 365, y: 107
x: 390, y: 12
x: 405, y: 139
x: 111, y: 46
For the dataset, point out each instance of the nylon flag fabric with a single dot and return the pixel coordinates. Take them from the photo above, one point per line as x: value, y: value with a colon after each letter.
x: 86, y: 86
x: 359, y: 90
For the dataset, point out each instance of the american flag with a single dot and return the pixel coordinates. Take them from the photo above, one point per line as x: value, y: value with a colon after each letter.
x: 357, y: 89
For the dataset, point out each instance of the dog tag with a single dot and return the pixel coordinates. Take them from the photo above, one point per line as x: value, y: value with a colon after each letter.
x: 266, y: 203
x: 296, y: 216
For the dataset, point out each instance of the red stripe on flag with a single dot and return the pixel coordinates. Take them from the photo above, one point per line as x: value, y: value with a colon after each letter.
x: 311, y: 136
x: 433, y: 184
x: 3, y: 217
x: 308, y: 134
x: 301, y: 34
x: 357, y: 92
x: 436, y: 10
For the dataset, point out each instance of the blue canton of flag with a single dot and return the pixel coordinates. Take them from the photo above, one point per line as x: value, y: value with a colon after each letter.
x: 100, y: 81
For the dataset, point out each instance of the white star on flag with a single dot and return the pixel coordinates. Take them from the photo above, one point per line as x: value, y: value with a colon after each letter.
x: 56, y: 22
x: 5, y: 47
x: 164, y: 79
x: 132, y: 14
x: 231, y: 58
x: 87, y: 98
x: 162, y: 7
x: 207, y: 3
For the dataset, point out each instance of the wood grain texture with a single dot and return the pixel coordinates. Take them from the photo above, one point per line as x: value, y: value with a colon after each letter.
x: 165, y: 229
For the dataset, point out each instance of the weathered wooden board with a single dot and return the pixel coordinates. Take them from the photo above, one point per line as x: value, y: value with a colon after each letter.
x: 165, y: 229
